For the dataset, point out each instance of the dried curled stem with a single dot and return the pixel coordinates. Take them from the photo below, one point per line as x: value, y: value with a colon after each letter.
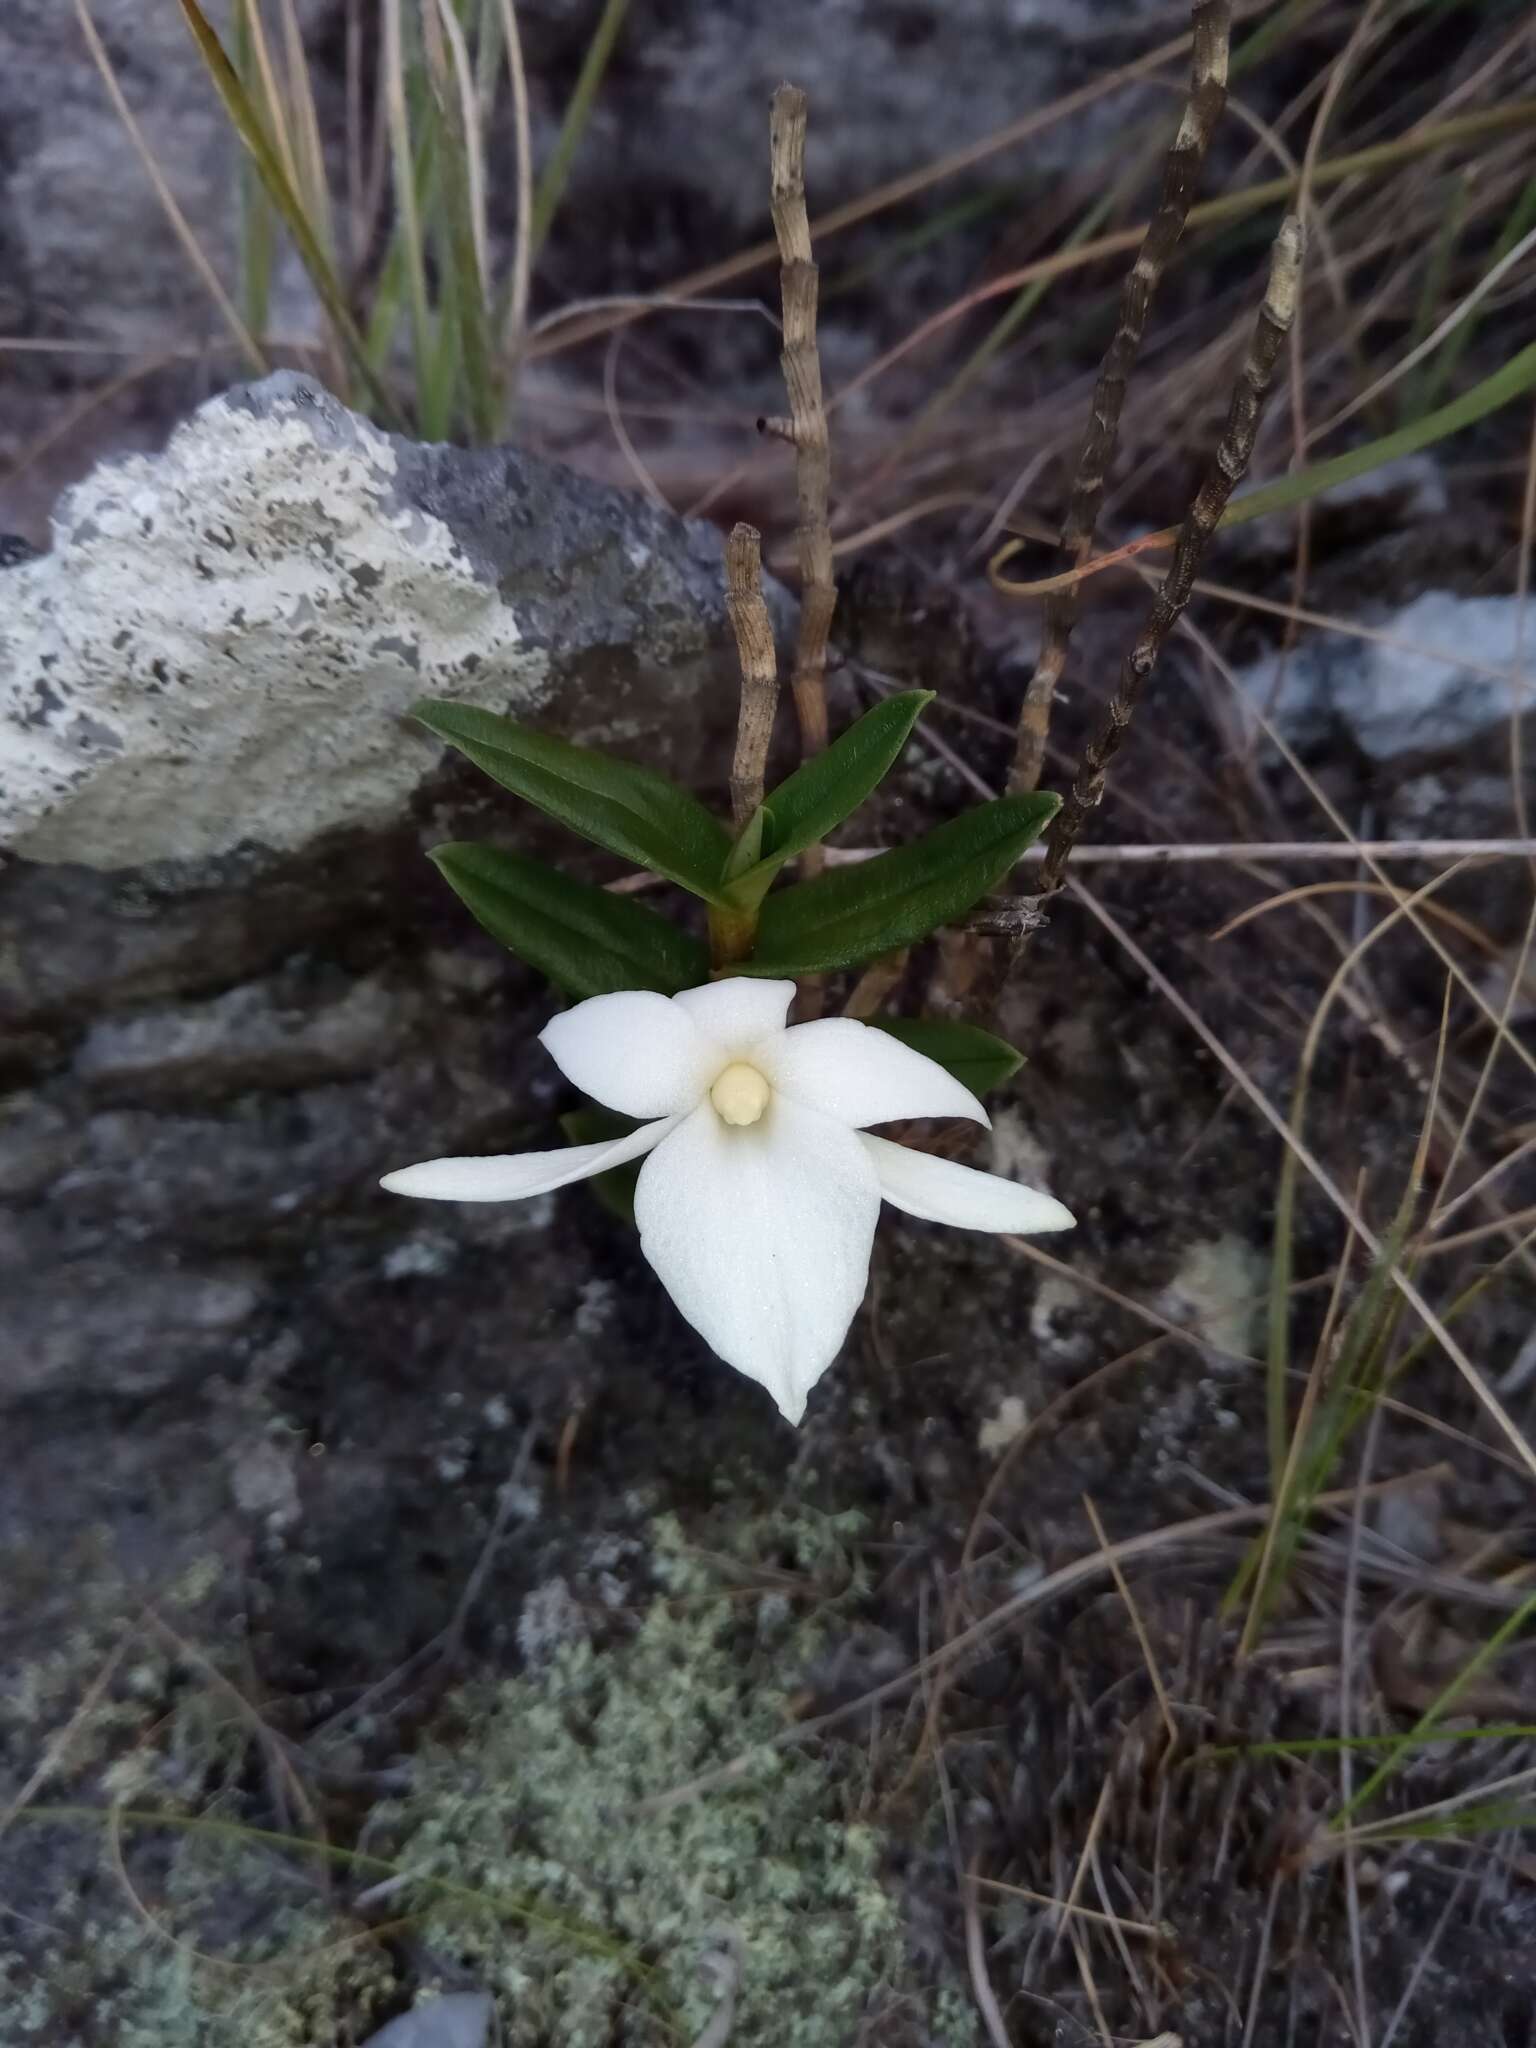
x: 759, y: 668
x: 1181, y: 174
x: 806, y: 427
x: 1194, y: 537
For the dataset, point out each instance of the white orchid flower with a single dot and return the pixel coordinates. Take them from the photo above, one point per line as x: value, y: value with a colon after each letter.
x: 761, y: 1186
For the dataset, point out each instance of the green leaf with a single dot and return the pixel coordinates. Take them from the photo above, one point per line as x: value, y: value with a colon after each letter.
x: 748, y: 850
x: 828, y: 787
x: 615, y: 1189
x: 855, y: 912
x: 972, y: 1055
x: 587, y: 941
x: 617, y: 804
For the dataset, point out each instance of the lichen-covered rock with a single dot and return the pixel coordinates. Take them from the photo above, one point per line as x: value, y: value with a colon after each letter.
x: 219, y: 647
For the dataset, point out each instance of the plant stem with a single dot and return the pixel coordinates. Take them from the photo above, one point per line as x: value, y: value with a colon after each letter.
x: 732, y: 935
x: 1181, y: 173
x: 1227, y: 467
x: 806, y: 427
x: 759, y: 669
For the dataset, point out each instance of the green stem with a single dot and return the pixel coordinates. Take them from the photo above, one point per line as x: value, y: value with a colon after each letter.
x: 732, y: 935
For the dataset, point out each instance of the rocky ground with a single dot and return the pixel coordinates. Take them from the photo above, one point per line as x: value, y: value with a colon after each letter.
x: 464, y: 1626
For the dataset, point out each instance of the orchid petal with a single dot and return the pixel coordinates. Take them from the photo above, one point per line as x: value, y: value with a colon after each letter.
x: 633, y: 1051
x: 943, y: 1191
x: 512, y: 1176
x: 762, y: 1235
x: 858, y: 1075
x: 739, y: 1012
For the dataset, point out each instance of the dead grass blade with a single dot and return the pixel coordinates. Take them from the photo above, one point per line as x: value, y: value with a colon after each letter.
x: 248, y: 125
x: 244, y: 339
x: 1436, y: 1712
x: 1484, y: 1394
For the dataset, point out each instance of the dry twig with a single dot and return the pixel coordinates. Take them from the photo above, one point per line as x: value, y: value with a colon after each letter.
x: 1226, y: 470
x: 806, y: 427
x: 759, y: 668
x: 1181, y: 173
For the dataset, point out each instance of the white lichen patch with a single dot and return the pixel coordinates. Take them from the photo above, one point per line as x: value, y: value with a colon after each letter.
x: 1058, y: 1319
x: 1016, y: 1151
x: 220, y: 645
x: 1218, y: 1292
x: 1001, y: 1429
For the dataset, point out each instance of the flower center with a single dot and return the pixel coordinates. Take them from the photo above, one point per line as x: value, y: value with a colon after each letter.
x: 740, y: 1095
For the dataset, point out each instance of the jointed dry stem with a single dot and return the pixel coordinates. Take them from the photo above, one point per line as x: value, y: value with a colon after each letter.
x: 806, y: 426
x: 1226, y: 470
x: 1181, y: 173
x: 759, y: 668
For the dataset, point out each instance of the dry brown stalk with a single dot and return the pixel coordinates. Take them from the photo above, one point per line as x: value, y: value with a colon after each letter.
x: 1181, y: 174
x: 806, y: 427
x: 1200, y: 523
x: 877, y: 981
x: 759, y: 668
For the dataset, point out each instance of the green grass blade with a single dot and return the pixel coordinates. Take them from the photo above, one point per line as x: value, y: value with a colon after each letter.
x: 248, y: 126
x: 1441, y: 1705
x: 973, y: 207
x: 1018, y: 313
x: 1336, y: 1745
x: 258, y: 223
x: 1512, y: 381
x: 552, y: 179
x: 461, y: 253
x: 406, y: 166
x: 1437, y: 271
x: 1442, y: 369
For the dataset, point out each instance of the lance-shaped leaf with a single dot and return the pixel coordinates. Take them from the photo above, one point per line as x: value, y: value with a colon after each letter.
x: 588, y: 941
x: 630, y: 810
x: 972, y: 1055
x: 898, y: 897
x: 826, y: 789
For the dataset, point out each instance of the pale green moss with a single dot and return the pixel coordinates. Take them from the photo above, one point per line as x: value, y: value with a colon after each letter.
x: 298, y: 1983
x: 538, y: 1802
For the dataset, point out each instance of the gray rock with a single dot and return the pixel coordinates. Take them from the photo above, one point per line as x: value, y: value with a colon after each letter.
x: 459, y: 2019
x: 84, y: 241
x: 106, y: 1327
x: 890, y: 88
x: 219, y: 648
x: 37, y: 1141
x: 1429, y: 694
x: 261, y: 1035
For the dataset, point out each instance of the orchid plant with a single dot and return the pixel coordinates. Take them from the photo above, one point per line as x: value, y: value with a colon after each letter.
x: 759, y: 1182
